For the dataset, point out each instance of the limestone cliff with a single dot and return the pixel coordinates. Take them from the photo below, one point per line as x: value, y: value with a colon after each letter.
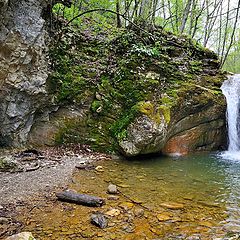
x: 23, y: 67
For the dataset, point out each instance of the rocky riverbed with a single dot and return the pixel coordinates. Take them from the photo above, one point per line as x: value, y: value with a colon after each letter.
x: 162, y: 198
x: 28, y: 176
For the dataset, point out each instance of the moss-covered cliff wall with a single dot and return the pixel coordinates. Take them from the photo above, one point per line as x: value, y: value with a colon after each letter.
x: 134, y: 92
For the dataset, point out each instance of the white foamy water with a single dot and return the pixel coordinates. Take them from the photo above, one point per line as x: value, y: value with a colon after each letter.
x: 231, y: 90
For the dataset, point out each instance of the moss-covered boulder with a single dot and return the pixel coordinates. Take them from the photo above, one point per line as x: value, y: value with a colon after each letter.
x: 141, y: 93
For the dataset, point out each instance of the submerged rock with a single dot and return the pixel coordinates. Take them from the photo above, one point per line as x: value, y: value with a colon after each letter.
x: 99, y: 220
x: 112, y: 189
x: 173, y: 206
x: 21, y: 236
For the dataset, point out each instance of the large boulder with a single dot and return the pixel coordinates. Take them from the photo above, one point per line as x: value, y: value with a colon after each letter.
x: 138, y: 96
x: 202, y: 130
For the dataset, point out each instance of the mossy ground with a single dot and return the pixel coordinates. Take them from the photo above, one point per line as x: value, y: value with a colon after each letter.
x: 125, y: 75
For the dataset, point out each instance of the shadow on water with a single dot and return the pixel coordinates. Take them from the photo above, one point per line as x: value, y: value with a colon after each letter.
x: 160, y: 197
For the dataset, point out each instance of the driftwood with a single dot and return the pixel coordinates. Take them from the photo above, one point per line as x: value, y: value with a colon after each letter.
x: 82, y: 199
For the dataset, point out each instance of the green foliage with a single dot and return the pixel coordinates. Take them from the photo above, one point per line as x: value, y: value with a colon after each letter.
x: 147, y: 50
x: 119, y: 128
x: 96, y: 106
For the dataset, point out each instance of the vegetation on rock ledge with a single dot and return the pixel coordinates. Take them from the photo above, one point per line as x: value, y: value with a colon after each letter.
x: 119, y: 75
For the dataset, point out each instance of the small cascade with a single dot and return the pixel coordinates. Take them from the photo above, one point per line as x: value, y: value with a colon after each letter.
x: 231, y: 90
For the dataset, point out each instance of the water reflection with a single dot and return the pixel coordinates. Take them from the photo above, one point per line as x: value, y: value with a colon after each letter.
x: 181, y: 196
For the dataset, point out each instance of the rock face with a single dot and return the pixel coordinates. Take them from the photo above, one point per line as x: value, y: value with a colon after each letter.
x: 140, y: 96
x: 133, y: 95
x: 23, y: 67
x: 194, y: 126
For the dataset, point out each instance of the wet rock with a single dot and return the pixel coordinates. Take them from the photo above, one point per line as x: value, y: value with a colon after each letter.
x: 99, y: 169
x: 99, y: 220
x: 138, y: 212
x: 21, y: 236
x: 126, y: 205
x: 230, y: 236
x: 85, y: 166
x: 162, y: 217
x: 113, y: 198
x: 206, y: 224
x: 4, y: 220
x: 112, y: 189
x: 124, y: 185
x: 173, y: 206
x: 194, y: 237
x: 129, y: 228
x: 113, y: 212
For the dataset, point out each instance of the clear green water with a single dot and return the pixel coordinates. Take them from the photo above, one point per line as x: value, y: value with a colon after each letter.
x: 185, y: 197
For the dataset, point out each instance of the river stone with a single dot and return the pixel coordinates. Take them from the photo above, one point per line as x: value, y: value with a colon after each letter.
x: 4, y: 220
x: 99, y: 220
x: 126, y: 205
x: 138, y: 212
x: 173, y: 206
x: 21, y: 236
x: 164, y: 217
x: 113, y: 212
x: 112, y: 189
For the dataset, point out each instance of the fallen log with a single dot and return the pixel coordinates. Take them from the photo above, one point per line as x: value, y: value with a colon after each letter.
x: 82, y: 199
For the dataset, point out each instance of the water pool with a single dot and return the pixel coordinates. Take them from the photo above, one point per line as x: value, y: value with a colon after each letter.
x: 190, y: 197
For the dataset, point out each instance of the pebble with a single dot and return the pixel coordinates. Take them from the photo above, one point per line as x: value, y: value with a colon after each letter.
x: 3, y: 220
x: 112, y: 197
x: 113, y: 212
x: 164, y: 217
x: 124, y: 185
x: 138, y: 212
x: 173, y: 206
x: 99, y: 168
x: 21, y: 236
x: 126, y: 205
x: 112, y: 189
x: 128, y: 228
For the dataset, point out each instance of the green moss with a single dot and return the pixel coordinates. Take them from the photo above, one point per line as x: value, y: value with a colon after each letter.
x: 71, y: 131
x: 166, y: 111
x: 7, y: 165
x: 118, y: 128
x: 132, y: 75
x: 96, y: 106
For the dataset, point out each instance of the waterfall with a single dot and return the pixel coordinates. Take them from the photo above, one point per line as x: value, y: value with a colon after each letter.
x: 231, y: 90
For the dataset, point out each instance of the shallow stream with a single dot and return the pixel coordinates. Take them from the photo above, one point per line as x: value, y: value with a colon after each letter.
x: 192, y: 197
